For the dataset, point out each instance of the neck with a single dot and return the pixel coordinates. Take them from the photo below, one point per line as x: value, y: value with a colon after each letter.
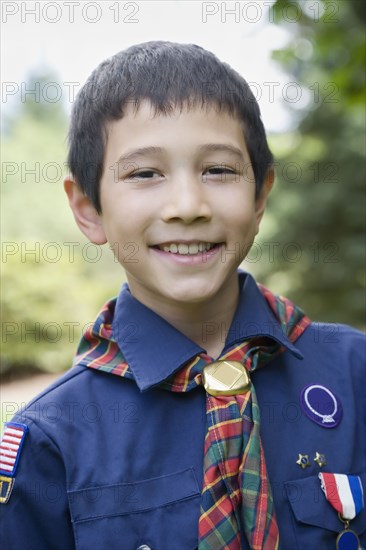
x: 206, y: 324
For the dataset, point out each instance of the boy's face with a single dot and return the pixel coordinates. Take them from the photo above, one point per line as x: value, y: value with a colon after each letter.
x: 180, y: 213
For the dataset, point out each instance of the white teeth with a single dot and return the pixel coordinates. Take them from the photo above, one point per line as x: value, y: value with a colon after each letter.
x: 193, y: 248
x: 183, y: 248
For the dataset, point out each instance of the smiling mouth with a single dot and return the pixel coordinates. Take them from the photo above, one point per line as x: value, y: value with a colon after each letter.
x: 187, y: 249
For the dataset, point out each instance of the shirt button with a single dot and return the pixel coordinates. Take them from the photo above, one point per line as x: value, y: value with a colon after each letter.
x: 144, y: 547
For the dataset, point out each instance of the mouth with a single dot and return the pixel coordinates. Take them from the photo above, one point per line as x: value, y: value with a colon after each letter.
x: 191, y: 248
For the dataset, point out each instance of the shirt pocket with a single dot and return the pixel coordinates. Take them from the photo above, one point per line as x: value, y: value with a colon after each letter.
x: 161, y: 512
x: 315, y: 522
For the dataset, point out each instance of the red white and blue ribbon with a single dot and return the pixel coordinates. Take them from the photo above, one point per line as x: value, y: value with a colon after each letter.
x: 344, y: 492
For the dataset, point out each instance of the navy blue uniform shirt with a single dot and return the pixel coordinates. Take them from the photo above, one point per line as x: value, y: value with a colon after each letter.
x: 110, y: 463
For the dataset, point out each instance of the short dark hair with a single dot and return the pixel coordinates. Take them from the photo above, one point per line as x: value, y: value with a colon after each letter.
x: 169, y: 75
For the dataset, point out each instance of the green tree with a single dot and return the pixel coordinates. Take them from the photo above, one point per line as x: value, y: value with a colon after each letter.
x: 316, y: 216
x: 51, y: 281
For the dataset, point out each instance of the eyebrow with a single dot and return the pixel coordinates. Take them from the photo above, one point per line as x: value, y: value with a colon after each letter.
x: 207, y: 148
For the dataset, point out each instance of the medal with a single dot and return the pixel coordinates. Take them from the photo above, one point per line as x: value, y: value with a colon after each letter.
x: 345, y: 494
x: 347, y: 539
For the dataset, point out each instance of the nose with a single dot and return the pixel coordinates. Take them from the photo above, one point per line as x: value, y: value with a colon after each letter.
x: 186, y: 200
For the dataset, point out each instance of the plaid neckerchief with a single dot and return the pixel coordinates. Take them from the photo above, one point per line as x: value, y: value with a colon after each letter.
x: 236, y: 494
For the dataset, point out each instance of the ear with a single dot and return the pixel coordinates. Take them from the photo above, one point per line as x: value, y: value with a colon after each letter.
x: 86, y: 216
x: 261, y: 201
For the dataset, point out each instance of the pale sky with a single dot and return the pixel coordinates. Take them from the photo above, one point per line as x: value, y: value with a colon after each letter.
x: 73, y: 37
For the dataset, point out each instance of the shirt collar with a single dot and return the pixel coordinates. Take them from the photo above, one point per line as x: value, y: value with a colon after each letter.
x: 154, y: 349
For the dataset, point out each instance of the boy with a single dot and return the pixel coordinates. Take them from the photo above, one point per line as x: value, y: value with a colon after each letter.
x: 156, y: 439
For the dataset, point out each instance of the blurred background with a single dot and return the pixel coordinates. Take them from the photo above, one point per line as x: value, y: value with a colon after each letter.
x: 305, y: 63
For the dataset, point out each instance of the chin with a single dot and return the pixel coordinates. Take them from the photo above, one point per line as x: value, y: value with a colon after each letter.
x: 193, y: 295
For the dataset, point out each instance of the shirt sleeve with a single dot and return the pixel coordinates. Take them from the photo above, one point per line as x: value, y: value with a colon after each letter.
x: 36, y: 515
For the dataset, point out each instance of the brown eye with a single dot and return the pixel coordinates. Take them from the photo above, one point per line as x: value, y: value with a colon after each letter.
x: 143, y: 175
x: 220, y: 170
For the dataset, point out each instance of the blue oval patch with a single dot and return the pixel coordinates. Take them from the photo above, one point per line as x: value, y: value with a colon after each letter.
x: 321, y: 405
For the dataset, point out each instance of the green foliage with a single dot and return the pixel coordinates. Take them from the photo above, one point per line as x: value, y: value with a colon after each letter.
x: 48, y: 304
x: 33, y: 167
x: 318, y: 200
x: 51, y: 285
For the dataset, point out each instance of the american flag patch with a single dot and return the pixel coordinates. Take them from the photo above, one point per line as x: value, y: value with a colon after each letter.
x: 10, y: 447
